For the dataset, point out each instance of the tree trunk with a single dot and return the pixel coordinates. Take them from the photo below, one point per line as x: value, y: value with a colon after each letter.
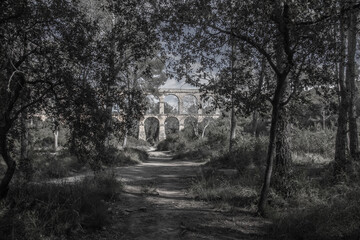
x: 56, y: 140
x: 232, y: 127
x: 125, y: 138
x: 341, y: 133
x: 283, y: 160
x: 203, y: 131
x: 24, y: 137
x: 283, y: 67
x: 25, y: 163
x: 10, y: 163
x: 351, y: 87
x: 323, y: 114
x: 255, y: 123
x: 278, y: 95
x: 341, y: 138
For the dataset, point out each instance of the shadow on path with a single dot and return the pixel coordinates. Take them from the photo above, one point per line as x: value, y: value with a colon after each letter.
x: 155, y: 205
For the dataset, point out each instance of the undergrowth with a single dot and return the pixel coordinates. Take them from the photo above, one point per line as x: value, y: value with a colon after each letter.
x: 43, y: 211
x: 233, y: 191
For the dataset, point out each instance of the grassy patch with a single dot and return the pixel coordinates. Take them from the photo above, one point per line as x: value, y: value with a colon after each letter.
x: 42, y: 211
x: 231, y: 190
x: 335, y: 215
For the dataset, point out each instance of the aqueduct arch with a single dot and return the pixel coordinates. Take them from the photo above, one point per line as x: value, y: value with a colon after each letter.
x: 180, y: 116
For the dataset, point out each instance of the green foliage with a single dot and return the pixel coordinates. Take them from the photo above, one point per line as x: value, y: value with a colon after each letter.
x: 47, y: 210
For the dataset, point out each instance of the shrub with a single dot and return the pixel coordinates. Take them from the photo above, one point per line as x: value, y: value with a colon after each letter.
x: 136, y: 155
x: 133, y: 142
x: 249, y: 152
x: 171, y: 143
x: 49, y: 165
x: 197, y: 155
x: 340, y: 219
x: 115, y: 157
x: 104, y: 184
x: 38, y: 210
x: 320, y: 142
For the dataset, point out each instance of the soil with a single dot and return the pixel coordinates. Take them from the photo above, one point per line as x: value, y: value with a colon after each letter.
x: 156, y: 204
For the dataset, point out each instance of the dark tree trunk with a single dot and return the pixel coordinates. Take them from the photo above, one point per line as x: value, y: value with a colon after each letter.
x: 25, y: 163
x: 341, y: 138
x: 24, y: 137
x: 232, y: 128
x: 351, y: 87
x: 10, y: 163
x: 283, y: 160
x: 278, y: 95
x: 341, y: 133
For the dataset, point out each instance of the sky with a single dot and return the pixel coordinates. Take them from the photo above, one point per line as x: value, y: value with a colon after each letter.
x: 172, y: 83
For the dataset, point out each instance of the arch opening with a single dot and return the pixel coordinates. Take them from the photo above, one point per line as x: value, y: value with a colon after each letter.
x: 152, y: 126
x: 190, y: 105
x: 171, y: 104
x: 172, y: 125
x: 191, y: 127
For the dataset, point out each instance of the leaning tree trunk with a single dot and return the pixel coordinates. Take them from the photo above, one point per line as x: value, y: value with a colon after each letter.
x: 283, y: 160
x: 351, y: 87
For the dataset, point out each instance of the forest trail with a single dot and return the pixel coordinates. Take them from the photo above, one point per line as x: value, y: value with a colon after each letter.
x: 155, y: 205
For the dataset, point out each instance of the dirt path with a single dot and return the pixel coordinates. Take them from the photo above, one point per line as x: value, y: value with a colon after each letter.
x: 156, y: 205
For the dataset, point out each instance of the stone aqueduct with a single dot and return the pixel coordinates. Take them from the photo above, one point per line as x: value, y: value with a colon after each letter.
x: 180, y: 115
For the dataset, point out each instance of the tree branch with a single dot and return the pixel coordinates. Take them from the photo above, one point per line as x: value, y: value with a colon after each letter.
x: 251, y: 42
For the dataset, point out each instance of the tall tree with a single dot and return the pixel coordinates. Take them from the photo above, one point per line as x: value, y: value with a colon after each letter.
x: 352, y: 90
x: 346, y: 48
x: 40, y: 46
x: 126, y: 42
x: 287, y: 34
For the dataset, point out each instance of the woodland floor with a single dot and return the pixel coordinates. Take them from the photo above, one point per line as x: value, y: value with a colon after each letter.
x: 155, y: 204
